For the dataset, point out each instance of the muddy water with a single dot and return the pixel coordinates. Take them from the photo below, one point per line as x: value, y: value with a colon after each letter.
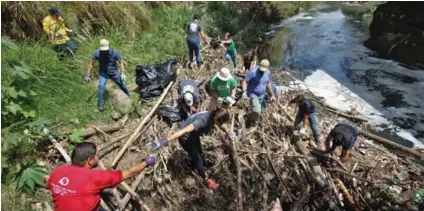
x: 326, y: 47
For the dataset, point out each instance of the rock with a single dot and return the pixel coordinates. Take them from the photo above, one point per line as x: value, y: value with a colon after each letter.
x: 122, y: 103
x: 396, y: 32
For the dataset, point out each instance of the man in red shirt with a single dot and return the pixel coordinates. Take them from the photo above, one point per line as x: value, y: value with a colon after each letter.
x: 77, y: 187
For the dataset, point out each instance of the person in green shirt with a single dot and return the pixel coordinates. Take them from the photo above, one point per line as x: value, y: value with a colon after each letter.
x: 231, y: 49
x: 222, y: 88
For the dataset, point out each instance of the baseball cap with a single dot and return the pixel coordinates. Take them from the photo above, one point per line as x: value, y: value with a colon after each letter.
x: 104, y: 45
x: 264, y: 65
x: 188, y: 98
x: 54, y: 11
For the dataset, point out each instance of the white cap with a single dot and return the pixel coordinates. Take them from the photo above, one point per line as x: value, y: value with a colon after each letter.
x: 264, y: 65
x: 188, y: 98
x: 104, y: 45
x: 224, y: 74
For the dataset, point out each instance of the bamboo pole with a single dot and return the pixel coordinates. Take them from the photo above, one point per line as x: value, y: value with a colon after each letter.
x: 143, y: 122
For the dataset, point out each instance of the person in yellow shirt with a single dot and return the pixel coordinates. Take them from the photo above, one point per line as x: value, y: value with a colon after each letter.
x: 55, y: 28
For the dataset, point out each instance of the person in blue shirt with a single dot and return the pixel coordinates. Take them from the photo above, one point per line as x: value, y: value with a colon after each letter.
x: 107, y: 58
x: 257, y: 81
x: 194, y: 32
x: 306, y: 110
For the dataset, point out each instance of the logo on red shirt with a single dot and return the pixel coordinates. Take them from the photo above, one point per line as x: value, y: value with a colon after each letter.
x: 64, y: 181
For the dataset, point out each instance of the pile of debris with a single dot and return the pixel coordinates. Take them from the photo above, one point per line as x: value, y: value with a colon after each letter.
x: 266, y: 163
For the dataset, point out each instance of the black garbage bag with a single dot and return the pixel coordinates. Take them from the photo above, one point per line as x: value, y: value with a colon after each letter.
x: 215, y: 43
x: 153, y: 79
x: 171, y: 113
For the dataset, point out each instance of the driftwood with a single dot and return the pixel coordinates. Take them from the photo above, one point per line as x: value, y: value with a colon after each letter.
x: 238, y: 171
x: 144, y: 121
x: 107, y: 129
x: 346, y: 193
x: 127, y: 188
x: 313, y: 162
x: 391, y: 144
x: 57, y: 145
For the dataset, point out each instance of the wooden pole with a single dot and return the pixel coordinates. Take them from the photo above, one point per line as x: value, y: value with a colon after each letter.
x: 127, y: 188
x: 346, y: 193
x: 57, y: 145
x: 238, y: 171
x: 144, y: 121
x: 393, y: 145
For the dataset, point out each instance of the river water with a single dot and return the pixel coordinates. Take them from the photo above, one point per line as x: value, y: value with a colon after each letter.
x: 326, y: 46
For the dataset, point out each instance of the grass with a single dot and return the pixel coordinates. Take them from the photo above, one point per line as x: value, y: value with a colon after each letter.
x: 62, y: 93
x: 276, y: 46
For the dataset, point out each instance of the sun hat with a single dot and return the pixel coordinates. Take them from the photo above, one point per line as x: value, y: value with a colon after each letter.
x: 104, y: 45
x: 264, y: 65
x: 224, y: 74
x: 188, y: 98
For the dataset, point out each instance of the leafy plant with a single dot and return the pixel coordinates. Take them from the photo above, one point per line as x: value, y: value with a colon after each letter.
x: 29, y: 176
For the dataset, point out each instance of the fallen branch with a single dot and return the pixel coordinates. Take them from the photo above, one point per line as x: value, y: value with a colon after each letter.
x: 144, y: 121
x: 346, y: 193
x: 349, y: 174
x: 57, y: 145
x: 107, y: 129
x: 237, y: 164
x: 127, y: 188
x: 392, y: 144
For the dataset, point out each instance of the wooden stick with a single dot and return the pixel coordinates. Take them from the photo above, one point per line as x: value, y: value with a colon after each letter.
x: 107, y: 129
x: 127, y: 188
x: 144, y: 121
x: 349, y: 174
x: 346, y: 193
x: 57, y: 145
x: 237, y: 164
x: 47, y: 205
x: 393, y: 145
x: 123, y: 203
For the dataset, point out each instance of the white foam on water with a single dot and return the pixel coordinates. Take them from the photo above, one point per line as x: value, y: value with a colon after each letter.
x: 337, y: 95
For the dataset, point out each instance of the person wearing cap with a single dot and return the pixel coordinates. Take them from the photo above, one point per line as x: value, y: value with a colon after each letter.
x: 222, y: 88
x: 194, y: 32
x: 54, y: 27
x: 107, y: 57
x: 306, y: 111
x: 188, y: 96
x: 344, y: 135
x: 77, y: 186
x: 254, y: 86
x: 231, y: 53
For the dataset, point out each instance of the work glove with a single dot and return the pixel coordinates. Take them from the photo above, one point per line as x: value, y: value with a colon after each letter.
x: 58, y: 36
x: 230, y: 100
x: 150, y: 160
x: 158, y: 143
x: 123, y: 76
x: 232, y: 136
x: 87, y: 77
x: 220, y: 99
x: 244, y: 96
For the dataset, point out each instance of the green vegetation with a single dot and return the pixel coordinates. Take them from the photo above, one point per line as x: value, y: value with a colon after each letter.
x: 39, y: 90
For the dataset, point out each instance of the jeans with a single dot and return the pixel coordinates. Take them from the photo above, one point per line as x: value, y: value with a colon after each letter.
x: 233, y: 57
x: 194, y: 48
x: 103, y: 77
x: 255, y: 106
x: 312, y: 123
x: 67, y: 49
x: 193, y: 147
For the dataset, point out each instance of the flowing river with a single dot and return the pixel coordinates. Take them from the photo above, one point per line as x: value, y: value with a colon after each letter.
x: 326, y: 47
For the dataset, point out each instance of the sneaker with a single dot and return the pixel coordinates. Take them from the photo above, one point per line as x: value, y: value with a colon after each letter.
x: 211, y: 184
x: 101, y: 108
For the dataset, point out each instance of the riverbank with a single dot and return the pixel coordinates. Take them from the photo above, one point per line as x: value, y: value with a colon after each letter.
x: 39, y: 90
x: 328, y: 56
